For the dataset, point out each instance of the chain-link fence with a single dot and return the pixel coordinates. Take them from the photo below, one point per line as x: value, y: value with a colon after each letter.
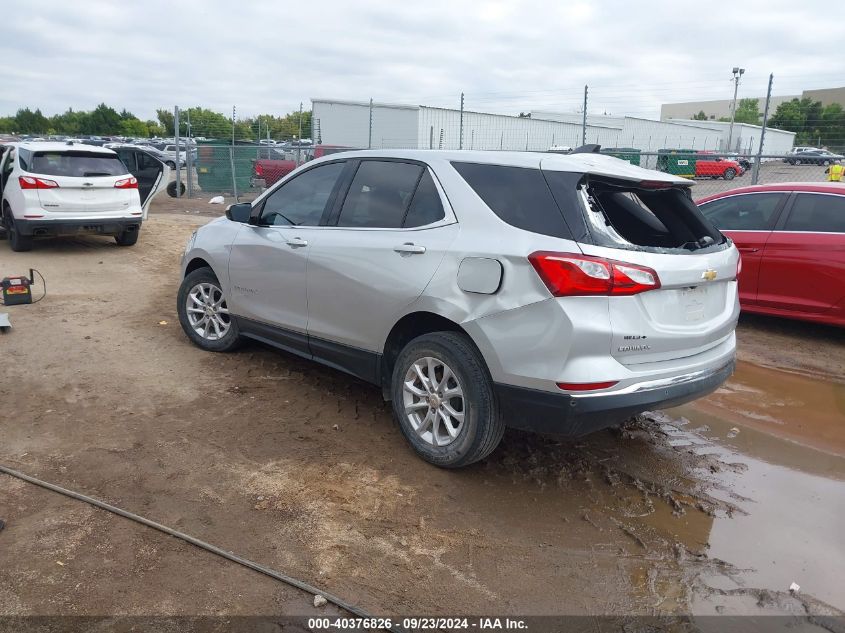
x: 717, y: 155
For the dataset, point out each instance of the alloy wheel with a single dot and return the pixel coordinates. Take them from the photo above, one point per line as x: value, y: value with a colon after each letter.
x: 433, y: 400
x: 208, y: 314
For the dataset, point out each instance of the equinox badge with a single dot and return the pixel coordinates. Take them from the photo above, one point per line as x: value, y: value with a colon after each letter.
x: 709, y: 274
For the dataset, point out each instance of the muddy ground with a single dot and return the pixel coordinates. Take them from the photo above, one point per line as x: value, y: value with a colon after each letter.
x: 715, y: 507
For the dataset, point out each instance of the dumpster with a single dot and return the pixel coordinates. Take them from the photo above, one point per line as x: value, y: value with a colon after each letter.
x: 214, y: 166
x: 631, y: 154
x: 679, y: 162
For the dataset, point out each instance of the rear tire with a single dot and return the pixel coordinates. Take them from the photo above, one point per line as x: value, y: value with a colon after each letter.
x: 171, y: 189
x: 200, y: 290
x: 19, y: 243
x: 450, y: 418
x: 127, y: 238
x: 730, y: 173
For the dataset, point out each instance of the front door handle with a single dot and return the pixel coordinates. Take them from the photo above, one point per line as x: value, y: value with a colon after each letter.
x: 748, y: 249
x: 297, y: 242
x: 409, y: 248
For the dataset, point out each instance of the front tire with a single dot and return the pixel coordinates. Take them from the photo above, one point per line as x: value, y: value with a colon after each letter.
x: 443, y: 400
x: 730, y: 173
x: 204, y: 312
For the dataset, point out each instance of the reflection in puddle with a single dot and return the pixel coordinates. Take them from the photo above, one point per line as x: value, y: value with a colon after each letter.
x: 788, y: 432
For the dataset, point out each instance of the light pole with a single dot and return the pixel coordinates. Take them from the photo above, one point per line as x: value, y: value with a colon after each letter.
x: 737, y: 73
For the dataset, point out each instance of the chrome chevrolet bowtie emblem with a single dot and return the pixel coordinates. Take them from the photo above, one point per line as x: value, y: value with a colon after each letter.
x: 709, y: 274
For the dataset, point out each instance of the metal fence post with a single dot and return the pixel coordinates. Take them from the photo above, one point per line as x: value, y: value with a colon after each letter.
x: 461, y: 135
x: 176, y: 145
x: 189, y: 159
x: 756, y: 172
x: 370, y: 137
x: 232, y: 167
x: 584, y: 120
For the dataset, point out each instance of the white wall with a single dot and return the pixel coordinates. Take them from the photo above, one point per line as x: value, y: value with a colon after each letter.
x: 746, y: 138
x: 348, y: 123
x: 440, y: 129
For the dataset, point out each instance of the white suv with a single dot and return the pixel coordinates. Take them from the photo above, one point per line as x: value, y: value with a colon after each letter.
x: 51, y: 189
x: 561, y: 294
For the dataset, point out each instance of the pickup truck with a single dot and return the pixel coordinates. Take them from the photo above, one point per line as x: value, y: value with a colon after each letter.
x: 273, y: 163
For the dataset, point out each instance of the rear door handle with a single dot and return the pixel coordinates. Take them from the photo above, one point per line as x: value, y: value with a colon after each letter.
x: 297, y: 242
x: 409, y: 248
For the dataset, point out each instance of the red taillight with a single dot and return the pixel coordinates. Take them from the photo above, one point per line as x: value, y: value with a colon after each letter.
x: 127, y: 183
x: 586, y: 386
x: 32, y: 182
x: 259, y: 170
x: 567, y: 275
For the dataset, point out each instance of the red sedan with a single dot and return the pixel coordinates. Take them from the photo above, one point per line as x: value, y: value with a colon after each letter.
x: 792, y: 240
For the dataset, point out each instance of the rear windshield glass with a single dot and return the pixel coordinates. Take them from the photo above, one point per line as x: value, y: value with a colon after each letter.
x: 76, y: 163
x: 518, y: 195
x: 622, y: 214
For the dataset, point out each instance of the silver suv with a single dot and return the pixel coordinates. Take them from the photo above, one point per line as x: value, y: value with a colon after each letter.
x: 479, y: 290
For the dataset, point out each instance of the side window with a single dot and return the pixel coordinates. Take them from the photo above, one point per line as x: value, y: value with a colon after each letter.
x: 750, y: 212
x: 379, y: 194
x: 145, y: 161
x: 25, y: 157
x: 426, y: 206
x: 301, y: 201
x: 519, y: 196
x: 818, y: 213
x: 127, y: 157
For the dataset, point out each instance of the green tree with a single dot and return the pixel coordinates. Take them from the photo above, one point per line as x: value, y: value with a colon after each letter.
x: 748, y: 111
x: 802, y: 116
x: 701, y: 116
x: 7, y: 124
x: 134, y: 127
x: 166, y: 119
x: 29, y: 122
x: 102, y: 120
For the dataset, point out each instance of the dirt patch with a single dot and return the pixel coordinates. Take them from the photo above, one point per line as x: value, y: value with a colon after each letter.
x: 302, y: 469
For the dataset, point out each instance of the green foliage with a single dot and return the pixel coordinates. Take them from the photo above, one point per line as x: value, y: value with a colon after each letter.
x: 107, y: 121
x: 701, y: 116
x: 811, y: 122
x: 748, y: 111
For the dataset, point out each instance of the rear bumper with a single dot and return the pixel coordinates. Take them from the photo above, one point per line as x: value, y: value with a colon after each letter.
x: 52, y: 228
x: 568, y: 415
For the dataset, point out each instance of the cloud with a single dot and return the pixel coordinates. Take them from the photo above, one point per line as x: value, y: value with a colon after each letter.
x: 507, y: 56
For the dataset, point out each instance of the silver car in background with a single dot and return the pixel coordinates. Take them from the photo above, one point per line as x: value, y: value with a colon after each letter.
x: 556, y: 293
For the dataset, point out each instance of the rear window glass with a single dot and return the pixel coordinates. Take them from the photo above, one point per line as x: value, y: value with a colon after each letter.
x: 379, y: 194
x: 518, y: 195
x: 426, y: 206
x: 750, y: 212
x: 78, y: 163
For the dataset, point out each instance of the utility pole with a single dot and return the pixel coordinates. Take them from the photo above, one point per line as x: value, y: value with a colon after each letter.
x: 189, y: 156
x: 737, y: 73
x: 756, y: 172
x: 461, y: 135
x: 370, y: 137
x: 584, y: 120
x: 233, y: 126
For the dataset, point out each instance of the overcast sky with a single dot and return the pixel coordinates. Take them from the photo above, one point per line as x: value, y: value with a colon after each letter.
x: 510, y: 56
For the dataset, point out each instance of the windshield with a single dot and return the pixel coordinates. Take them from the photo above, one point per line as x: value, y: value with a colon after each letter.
x: 76, y: 163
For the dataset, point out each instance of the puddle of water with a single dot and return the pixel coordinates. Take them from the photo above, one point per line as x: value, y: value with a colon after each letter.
x: 788, y: 431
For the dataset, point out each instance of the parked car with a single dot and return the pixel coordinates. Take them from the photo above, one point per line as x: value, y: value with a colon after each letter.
x: 792, y: 240
x: 744, y: 161
x: 800, y: 148
x: 561, y: 294
x: 271, y: 165
x: 53, y: 189
x: 813, y: 157
x: 123, y: 148
x: 716, y: 167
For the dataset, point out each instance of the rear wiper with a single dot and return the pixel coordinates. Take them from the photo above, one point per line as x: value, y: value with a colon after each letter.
x: 91, y: 174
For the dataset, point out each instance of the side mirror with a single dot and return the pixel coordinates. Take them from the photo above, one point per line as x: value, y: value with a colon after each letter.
x: 239, y: 212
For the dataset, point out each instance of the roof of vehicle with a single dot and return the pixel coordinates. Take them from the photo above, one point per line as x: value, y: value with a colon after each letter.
x: 592, y: 163
x: 48, y: 146
x: 812, y: 187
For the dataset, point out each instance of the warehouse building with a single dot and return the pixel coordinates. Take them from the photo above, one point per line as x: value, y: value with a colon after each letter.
x: 400, y: 126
